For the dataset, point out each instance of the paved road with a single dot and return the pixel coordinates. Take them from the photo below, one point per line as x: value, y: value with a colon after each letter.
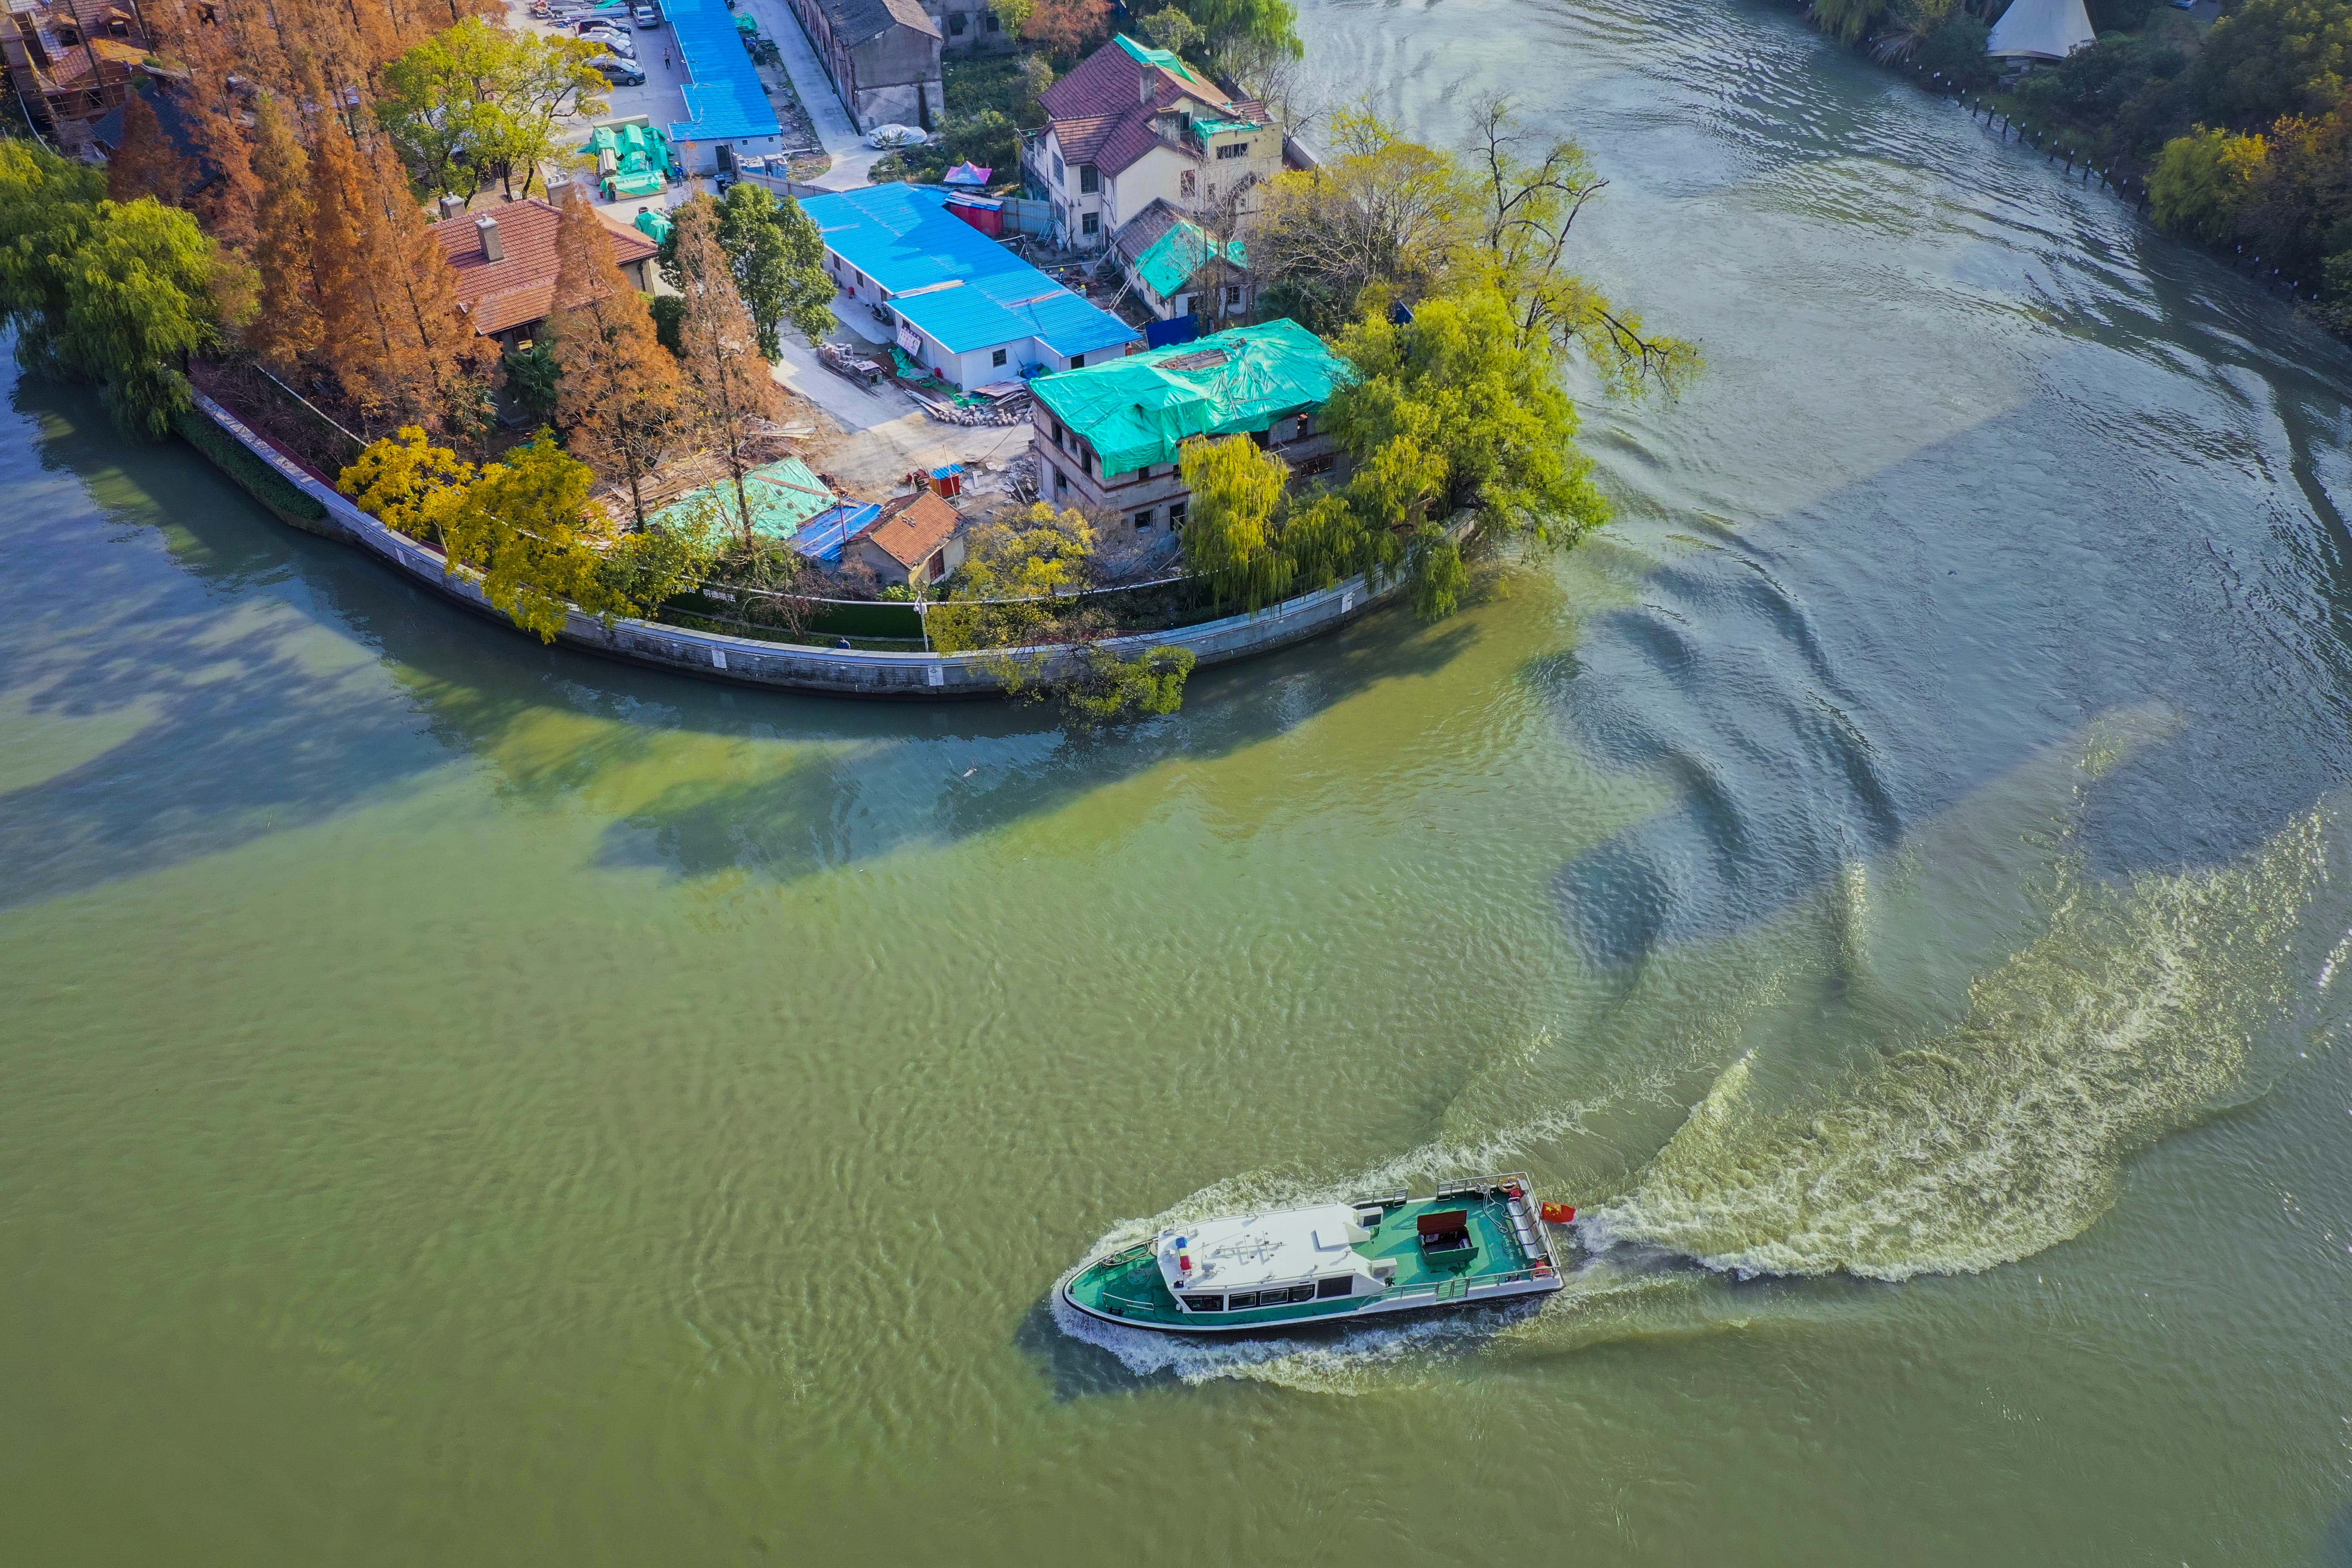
x: 834, y: 130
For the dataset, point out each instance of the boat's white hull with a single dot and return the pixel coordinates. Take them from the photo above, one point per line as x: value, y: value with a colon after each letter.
x: 1422, y: 1301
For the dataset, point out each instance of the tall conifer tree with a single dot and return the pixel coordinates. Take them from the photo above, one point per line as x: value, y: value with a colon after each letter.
x: 145, y: 164
x: 617, y: 398
x: 285, y: 330
x: 730, y: 392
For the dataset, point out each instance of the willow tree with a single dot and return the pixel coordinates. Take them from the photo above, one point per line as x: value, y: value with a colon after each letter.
x: 115, y: 293
x: 1452, y: 411
x: 617, y: 390
x: 1231, y: 536
x: 730, y: 391
x: 1530, y: 192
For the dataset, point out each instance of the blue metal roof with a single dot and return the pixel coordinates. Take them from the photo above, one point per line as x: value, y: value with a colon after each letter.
x: 725, y: 98
x: 957, y: 285
x: 822, y: 537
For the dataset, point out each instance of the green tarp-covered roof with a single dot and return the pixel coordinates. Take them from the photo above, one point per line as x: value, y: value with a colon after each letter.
x: 1170, y: 261
x: 1138, y: 410
x: 783, y: 495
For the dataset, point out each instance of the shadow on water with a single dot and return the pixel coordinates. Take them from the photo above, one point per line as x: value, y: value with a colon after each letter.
x: 1815, y: 686
x: 240, y: 717
x: 1001, y: 764
x: 230, y: 726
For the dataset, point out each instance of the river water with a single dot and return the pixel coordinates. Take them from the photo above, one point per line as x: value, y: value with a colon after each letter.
x: 470, y: 1103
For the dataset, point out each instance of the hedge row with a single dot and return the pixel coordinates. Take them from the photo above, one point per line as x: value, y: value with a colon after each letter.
x: 266, y: 484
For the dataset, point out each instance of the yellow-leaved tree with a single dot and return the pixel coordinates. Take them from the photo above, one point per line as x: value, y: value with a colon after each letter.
x: 526, y: 528
x: 1009, y: 593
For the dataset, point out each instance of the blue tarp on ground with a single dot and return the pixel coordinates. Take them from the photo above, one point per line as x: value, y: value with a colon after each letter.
x: 955, y: 283
x: 725, y: 101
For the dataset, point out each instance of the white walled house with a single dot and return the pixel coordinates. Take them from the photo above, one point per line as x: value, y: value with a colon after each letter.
x: 959, y: 303
x: 1132, y: 125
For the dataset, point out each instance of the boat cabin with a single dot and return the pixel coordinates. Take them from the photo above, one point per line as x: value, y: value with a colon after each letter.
x: 1238, y: 1264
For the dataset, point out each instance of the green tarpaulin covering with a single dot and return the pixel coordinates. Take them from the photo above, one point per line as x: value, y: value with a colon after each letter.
x: 654, y: 226
x: 1138, y: 410
x: 1169, y: 262
x: 783, y: 495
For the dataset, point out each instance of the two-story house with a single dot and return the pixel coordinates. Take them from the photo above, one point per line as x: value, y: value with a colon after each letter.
x: 1132, y: 125
x: 1109, y: 439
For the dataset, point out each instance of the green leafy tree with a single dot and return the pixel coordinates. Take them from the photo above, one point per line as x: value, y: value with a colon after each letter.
x: 115, y: 293
x: 1233, y: 28
x: 1848, y: 19
x: 2197, y: 185
x: 1529, y: 200
x: 534, y: 379
x: 1014, y: 571
x: 1453, y: 410
x: 1381, y: 213
x: 1172, y: 30
x: 2270, y: 57
x: 1232, y: 536
x: 778, y: 256
x: 476, y: 101
x: 1098, y: 688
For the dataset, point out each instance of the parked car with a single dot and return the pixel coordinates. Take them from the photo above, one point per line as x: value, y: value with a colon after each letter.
x: 619, y: 72
x: 625, y: 47
x: 646, y: 15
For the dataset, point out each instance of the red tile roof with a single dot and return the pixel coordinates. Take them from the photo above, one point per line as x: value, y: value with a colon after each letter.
x: 1100, y: 114
x: 519, y: 288
x: 912, y: 528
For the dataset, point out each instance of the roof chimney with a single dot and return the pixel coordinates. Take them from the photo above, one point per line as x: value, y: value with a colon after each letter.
x: 492, y: 249
x: 451, y: 206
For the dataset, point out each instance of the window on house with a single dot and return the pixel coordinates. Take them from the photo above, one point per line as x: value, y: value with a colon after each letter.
x: 1089, y: 179
x: 1233, y: 298
x: 1061, y: 481
x: 1176, y: 516
x: 1314, y: 466
x: 1077, y: 362
x: 1233, y: 150
x: 1188, y: 184
x: 957, y: 21
x: 1142, y: 519
x: 989, y: 23
x: 996, y: 358
x: 1057, y: 168
x: 1090, y: 223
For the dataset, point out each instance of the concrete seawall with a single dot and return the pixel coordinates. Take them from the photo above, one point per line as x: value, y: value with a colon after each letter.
x: 785, y: 667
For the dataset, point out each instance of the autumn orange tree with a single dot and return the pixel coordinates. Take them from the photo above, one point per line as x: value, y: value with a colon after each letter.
x: 730, y: 391
x: 390, y: 329
x: 617, y: 390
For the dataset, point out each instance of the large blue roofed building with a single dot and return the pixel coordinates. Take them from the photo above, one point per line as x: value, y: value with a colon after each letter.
x: 962, y: 304
x: 728, y: 111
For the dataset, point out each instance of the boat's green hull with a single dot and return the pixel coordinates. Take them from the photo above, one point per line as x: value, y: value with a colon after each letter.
x: 1126, y: 1287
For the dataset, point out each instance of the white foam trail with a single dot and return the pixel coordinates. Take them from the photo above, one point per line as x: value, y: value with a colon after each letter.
x: 2137, y: 1011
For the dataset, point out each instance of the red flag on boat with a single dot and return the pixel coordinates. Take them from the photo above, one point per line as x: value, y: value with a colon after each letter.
x: 1559, y: 1213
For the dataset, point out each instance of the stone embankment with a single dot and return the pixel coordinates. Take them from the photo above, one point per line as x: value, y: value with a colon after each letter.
x: 748, y: 662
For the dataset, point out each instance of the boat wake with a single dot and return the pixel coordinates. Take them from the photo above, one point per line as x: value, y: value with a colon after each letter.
x: 2136, y: 1009
x: 2139, y: 1010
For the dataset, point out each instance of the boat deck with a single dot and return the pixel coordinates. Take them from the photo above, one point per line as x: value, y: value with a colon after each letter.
x: 1126, y: 1285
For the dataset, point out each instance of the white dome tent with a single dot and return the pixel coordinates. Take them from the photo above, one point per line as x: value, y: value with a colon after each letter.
x: 2040, y: 30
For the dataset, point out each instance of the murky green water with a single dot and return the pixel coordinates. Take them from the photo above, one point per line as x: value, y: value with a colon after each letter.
x: 466, y: 1103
